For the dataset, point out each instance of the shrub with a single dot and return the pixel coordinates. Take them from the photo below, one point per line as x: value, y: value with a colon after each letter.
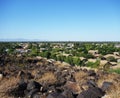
x: 111, y: 59
x: 93, y: 64
x: 115, y: 70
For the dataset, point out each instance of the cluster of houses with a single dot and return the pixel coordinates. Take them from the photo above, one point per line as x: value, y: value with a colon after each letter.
x: 103, y: 59
x: 23, y: 48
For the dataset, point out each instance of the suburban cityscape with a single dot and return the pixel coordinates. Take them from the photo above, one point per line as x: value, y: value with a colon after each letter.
x: 95, y: 55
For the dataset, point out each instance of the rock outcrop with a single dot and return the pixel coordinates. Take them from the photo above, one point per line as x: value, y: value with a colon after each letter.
x: 50, y: 80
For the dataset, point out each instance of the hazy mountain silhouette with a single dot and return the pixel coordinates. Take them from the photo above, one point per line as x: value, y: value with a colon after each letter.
x: 19, y: 39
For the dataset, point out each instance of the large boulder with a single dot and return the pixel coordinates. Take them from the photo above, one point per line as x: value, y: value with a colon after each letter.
x: 106, y: 85
x: 93, y: 92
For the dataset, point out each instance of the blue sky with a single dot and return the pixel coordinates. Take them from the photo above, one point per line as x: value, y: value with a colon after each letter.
x: 60, y: 20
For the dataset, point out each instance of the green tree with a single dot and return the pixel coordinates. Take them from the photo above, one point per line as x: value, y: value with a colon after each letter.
x: 76, y: 61
x: 47, y: 54
x: 69, y: 60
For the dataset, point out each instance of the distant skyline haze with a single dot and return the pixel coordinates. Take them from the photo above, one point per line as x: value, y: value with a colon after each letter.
x: 60, y: 20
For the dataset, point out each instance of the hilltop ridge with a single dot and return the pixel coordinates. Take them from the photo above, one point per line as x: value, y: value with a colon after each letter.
x: 47, y: 78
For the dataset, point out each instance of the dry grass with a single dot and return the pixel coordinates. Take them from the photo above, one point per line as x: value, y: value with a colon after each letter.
x: 34, y: 72
x: 74, y: 87
x: 107, y: 77
x: 80, y: 77
x: 39, y: 63
x: 6, y: 85
x: 58, y: 64
x: 114, y: 90
x: 48, y: 77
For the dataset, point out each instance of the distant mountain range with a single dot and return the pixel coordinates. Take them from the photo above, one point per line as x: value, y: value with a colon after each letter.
x: 19, y: 40
x: 39, y: 40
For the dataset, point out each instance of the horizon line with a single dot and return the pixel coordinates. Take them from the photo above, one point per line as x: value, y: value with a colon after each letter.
x: 57, y: 41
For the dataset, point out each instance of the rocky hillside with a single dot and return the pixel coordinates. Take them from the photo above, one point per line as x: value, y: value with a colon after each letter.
x: 42, y: 78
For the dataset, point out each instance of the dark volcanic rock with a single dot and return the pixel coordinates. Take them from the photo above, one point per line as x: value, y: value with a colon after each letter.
x: 106, y: 85
x: 21, y: 74
x: 33, y: 85
x: 29, y: 75
x: 91, y: 83
x: 19, y: 90
x: 93, y: 92
x: 16, y: 93
x: 67, y: 82
x: 22, y: 85
x: 53, y: 95
x: 91, y: 73
x: 61, y: 81
x: 67, y: 94
x: 32, y: 93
